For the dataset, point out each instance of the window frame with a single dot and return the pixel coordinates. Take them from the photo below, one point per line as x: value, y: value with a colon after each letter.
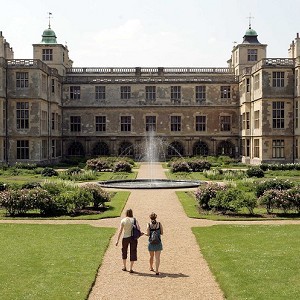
x: 175, y: 123
x: 225, y: 91
x: 150, y: 123
x: 200, y: 93
x: 47, y: 54
x: 278, y: 148
x: 100, y: 92
x: 200, y: 123
x: 75, y: 91
x: 75, y: 123
x: 225, y: 123
x: 22, y: 115
x: 278, y: 120
x: 22, y: 80
x: 278, y: 79
x: 22, y: 149
x: 252, y: 54
x: 150, y: 93
x: 175, y: 93
x: 125, y: 92
x: 100, y: 123
x: 125, y: 123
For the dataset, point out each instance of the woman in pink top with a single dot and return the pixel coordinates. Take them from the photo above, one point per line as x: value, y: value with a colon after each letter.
x: 126, y: 226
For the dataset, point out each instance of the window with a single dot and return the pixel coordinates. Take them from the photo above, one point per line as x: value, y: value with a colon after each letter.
x: 44, y: 149
x: 52, y: 86
x: 256, y: 119
x: 278, y: 79
x: 125, y: 92
x: 278, y: 148
x: 22, y: 80
x: 296, y: 148
x: 44, y: 123
x: 100, y: 92
x: 58, y: 119
x: 58, y: 148
x: 243, y: 121
x: 200, y: 123
x: 256, y: 148
x: 296, y: 114
x: 252, y: 54
x: 247, y: 147
x: 150, y: 123
x: 53, y: 121
x: 22, y: 115
x: 126, y: 123
x: 278, y: 114
x: 47, y: 54
x: 225, y: 92
x: 256, y: 81
x: 75, y: 92
x: 175, y: 123
x: 100, y: 123
x: 247, y: 120
x: 150, y: 93
x: 200, y: 93
x: 248, y: 85
x: 22, y: 149
x: 53, y: 148
x: 75, y: 122
x: 176, y: 94
x: 225, y: 122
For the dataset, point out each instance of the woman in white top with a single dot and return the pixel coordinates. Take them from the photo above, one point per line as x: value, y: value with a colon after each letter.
x: 126, y: 226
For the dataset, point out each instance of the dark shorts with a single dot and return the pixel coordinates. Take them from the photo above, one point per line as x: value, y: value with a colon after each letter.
x: 133, y: 248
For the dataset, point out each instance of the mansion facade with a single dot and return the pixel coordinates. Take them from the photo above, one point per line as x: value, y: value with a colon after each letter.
x: 50, y: 110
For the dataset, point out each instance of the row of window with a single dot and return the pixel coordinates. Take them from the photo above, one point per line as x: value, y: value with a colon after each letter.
x: 277, y: 116
x: 277, y: 148
x: 150, y: 123
x: 150, y: 93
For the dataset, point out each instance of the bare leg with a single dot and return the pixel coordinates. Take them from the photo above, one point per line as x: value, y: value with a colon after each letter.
x: 131, y: 265
x: 124, y: 264
x: 151, y: 260
x: 157, y: 261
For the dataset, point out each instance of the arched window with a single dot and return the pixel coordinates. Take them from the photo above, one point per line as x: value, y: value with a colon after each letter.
x: 76, y: 149
x: 101, y: 149
x: 200, y: 149
x: 175, y: 149
x: 226, y: 148
x: 126, y: 149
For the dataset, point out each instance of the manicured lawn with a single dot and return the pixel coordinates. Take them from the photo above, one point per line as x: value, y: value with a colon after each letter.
x: 50, y: 261
x: 253, y: 262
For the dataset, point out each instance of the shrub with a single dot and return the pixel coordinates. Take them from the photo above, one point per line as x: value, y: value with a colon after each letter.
x: 49, y: 172
x: 82, y: 176
x: 73, y: 171
x: 255, y: 172
x: 275, y: 184
x: 100, y: 196
x: 215, y: 174
x: 31, y: 185
x: 295, y: 198
x: 233, y: 174
x: 206, y: 192
x: 268, y: 199
x: 122, y: 166
x: 249, y: 202
x: 99, y: 164
x: 199, y: 165
x: 19, y: 165
x: 226, y: 200
x: 180, y: 166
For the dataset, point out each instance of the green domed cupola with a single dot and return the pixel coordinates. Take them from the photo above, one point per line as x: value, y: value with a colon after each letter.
x: 250, y: 36
x: 49, y: 36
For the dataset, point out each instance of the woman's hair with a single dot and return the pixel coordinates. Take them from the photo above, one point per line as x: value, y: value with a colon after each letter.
x: 129, y: 213
x: 153, y: 217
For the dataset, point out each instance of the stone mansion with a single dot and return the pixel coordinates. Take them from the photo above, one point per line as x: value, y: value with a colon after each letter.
x: 50, y: 110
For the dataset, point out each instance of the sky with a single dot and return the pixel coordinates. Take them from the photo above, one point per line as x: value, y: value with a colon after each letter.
x: 149, y: 33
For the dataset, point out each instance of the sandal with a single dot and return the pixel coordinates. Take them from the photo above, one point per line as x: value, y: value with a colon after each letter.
x: 151, y: 269
x: 124, y: 269
x: 131, y: 271
x: 157, y: 273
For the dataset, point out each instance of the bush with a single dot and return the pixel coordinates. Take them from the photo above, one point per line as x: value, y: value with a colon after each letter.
x: 295, y: 198
x: 199, y: 165
x: 49, y: 172
x: 227, y: 200
x: 73, y: 171
x: 100, y: 196
x: 255, y: 172
x: 275, y: 184
x: 99, y: 164
x: 122, y: 166
x: 206, y: 192
x: 249, y: 202
x: 31, y: 185
x: 180, y: 166
x: 268, y: 199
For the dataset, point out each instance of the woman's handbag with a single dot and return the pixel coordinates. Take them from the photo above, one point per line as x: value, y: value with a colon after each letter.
x: 135, y: 232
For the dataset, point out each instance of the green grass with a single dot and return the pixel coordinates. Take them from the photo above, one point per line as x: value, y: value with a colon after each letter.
x: 188, y: 203
x: 50, y: 261
x: 114, y: 209
x: 253, y: 262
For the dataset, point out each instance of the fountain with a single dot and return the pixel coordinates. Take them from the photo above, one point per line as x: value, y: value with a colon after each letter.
x: 153, y: 151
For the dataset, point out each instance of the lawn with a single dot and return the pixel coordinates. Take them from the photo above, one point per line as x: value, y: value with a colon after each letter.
x: 253, y: 262
x: 50, y: 261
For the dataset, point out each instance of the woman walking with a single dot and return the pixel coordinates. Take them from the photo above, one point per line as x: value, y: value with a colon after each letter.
x: 154, y: 231
x: 126, y: 226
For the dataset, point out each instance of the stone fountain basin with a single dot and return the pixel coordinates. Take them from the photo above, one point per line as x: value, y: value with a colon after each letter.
x: 149, y: 184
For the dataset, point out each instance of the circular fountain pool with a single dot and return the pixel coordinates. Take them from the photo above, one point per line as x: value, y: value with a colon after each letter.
x: 150, y: 184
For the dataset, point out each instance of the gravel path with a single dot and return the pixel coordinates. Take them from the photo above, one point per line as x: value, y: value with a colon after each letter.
x: 184, y: 272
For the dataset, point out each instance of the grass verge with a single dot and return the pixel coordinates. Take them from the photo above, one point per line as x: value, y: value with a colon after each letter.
x: 50, y: 261
x: 253, y: 262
